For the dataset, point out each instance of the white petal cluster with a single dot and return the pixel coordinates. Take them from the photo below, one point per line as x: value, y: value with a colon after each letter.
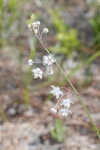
x: 53, y: 110
x: 65, y: 109
x: 30, y: 62
x: 36, y: 23
x: 45, y: 30
x: 34, y: 26
x: 38, y: 73
x: 48, y: 60
x: 66, y: 103
x: 62, y: 107
x: 64, y: 112
x: 56, y: 91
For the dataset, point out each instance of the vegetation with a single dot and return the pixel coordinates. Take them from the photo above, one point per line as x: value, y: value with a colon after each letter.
x: 66, y: 37
x: 95, y: 22
x: 59, y: 132
x: 66, y: 43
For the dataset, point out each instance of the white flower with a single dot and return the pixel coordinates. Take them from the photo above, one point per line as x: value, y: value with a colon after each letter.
x: 35, y: 26
x: 30, y: 62
x: 53, y: 110
x: 38, y: 73
x: 48, y: 60
x: 66, y: 102
x: 64, y: 112
x: 36, y: 23
x: 45, y: 30
x: 49, y: 70
x: 56, y: 91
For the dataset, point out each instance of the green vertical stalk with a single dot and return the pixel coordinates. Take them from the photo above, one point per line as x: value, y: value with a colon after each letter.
x: 81, y: 101
x: 28, y: 79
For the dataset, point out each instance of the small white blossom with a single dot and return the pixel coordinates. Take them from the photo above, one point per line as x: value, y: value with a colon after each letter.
x: 66, y: 102
x: 38, y: 73
x: 49, y: 70
x: 36, y: 31
x: 36, y: 23
x: 35, y: 26
x: 30, y: 62
x: 53, y: 110
x: 48, y: 60
x: 45, y: 30
x: 56, y: 91
x: 64, y: 112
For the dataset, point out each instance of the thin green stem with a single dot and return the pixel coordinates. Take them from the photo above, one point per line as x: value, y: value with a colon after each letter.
x: 28, y: 80
x: 81, y: 101
x: 84, y: 64
x: 2, y: 113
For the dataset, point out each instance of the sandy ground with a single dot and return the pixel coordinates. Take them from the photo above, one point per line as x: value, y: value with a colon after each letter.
x: 30, y: 129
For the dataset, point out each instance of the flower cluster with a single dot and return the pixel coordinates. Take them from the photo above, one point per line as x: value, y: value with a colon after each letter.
x: 45, y: 30
x: 30, y: 62
x: 34, y: 26
x: 62, y: 107
x: 48, y: 60
x: 56, y: 91
x: 38, y: 73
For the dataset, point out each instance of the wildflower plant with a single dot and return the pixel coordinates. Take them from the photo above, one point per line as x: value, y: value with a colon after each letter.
x: 64, y: 101
x: 62, y: 107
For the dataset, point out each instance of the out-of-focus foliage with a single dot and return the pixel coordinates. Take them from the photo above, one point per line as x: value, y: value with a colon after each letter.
x: 32, y: 19
x: 93, y: 3
x: 95, y: 22
x: 9, y: 11
x: 59, y: 132
x: 96, y: 28
x: 67, y: 39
